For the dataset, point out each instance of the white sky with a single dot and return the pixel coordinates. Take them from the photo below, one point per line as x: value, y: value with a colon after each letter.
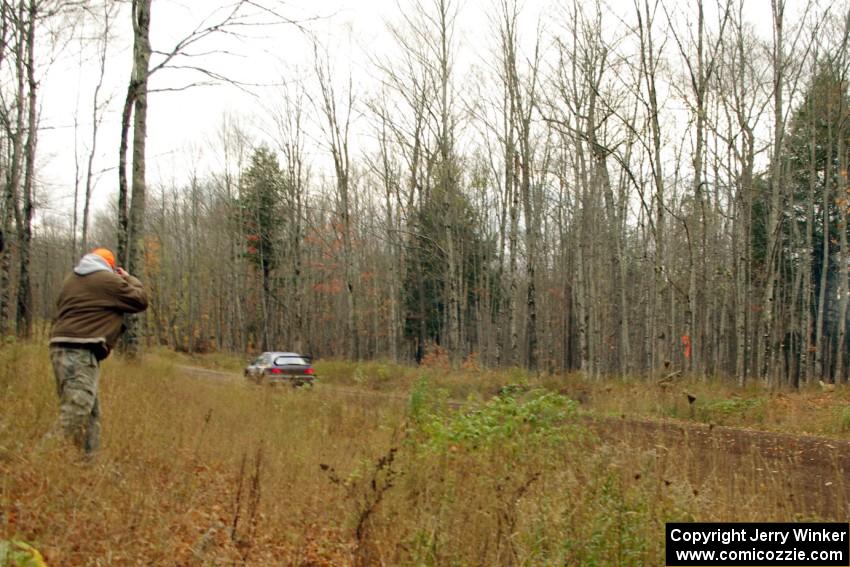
x: 353, y: 30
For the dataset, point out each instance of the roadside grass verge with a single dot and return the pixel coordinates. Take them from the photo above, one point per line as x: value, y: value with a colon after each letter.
x: 808, y: 410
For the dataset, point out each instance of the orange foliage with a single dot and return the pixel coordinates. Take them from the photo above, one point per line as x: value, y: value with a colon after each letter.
x: 332, y: 287
x: 471, y: 363
x: 152, y: 257
x: 436, y: 357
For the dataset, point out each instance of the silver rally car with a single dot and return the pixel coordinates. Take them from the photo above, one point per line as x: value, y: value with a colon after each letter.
x: 281, y: 368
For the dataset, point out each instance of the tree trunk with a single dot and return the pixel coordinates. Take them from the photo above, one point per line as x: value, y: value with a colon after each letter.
x: 24, y: 310
x: 123, y: 189
x: 513, y: 278
x: 821, y: 366
x: 13, y: 177
x: 692, y: 363
x: 766, y: 346
x: 649, y: 63
x: 843, y: 262
x: 134, y: 236
x: 807, y: 324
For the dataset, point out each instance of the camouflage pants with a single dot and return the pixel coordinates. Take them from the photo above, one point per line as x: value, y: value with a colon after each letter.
x: 77, y: 372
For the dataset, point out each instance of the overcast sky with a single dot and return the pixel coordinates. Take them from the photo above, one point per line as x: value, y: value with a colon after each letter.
x: 180, y: 124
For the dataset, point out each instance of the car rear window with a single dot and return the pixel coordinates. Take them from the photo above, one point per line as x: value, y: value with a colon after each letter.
x: 295, y: 360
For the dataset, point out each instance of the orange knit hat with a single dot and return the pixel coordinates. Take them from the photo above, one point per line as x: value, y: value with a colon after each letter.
x: 106, y: 255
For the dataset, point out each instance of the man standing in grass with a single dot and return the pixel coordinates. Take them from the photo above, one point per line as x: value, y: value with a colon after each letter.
x: 89, y: 320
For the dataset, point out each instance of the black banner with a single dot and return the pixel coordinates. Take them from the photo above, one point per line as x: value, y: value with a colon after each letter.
x: 758, y: 544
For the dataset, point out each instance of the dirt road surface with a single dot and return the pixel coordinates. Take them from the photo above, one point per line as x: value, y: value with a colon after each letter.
x: 796, y: 476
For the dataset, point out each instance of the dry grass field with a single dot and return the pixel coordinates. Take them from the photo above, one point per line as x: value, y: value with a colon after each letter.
x: 381, y: 465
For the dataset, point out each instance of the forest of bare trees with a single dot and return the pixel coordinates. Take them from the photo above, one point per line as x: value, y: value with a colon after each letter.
x: 653, y: 190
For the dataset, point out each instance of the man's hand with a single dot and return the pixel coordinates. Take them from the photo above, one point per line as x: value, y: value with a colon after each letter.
x: 121, y: 272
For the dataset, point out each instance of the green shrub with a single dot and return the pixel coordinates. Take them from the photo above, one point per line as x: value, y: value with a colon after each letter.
x: 540, y: 418
x: 731, y: 410
x: 844, y: 419
x: 375, y: 375
x: 15, y: 553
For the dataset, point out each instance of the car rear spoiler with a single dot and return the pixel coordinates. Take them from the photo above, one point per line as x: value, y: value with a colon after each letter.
x: 307, y: 357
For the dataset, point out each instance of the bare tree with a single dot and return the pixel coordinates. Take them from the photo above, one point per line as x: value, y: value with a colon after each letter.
x: 16, y: 133
x: 131, y: 214
x: 98, y: 108
x: 739, y: 85
x: 701, y: 68
x: 337, y: 125
x: 289, y: 119
x: 649, y: 62
x: 522, y: 94
x: 24, y: 306
x: 843, y: 152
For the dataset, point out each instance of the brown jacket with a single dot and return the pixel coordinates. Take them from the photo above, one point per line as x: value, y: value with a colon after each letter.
x: 90, y: 310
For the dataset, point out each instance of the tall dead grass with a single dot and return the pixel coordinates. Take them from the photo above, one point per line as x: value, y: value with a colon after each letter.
x: 192, y: 470
x: 203, y: 470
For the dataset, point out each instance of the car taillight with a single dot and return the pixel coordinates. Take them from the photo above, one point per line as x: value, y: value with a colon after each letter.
x: 308, y: 371
x: 275, y: 371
